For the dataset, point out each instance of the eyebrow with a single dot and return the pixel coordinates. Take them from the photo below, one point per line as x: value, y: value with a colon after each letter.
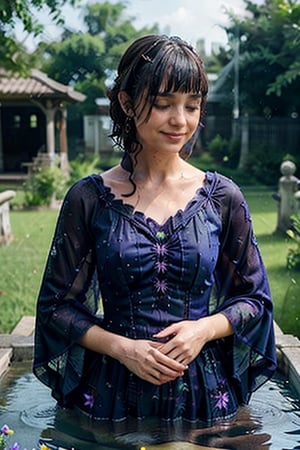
x: 172, y: 94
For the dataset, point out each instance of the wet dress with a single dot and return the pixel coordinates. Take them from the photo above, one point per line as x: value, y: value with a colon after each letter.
x: 146, y: 276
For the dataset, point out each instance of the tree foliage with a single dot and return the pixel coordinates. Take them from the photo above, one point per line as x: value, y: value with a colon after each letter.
x: 269, y: 48
x: 86, y: 59
x: 12, y: 54
x: 74, y: 58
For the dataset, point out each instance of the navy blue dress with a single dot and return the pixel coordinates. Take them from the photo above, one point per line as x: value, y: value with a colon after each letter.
x: 146, y: 276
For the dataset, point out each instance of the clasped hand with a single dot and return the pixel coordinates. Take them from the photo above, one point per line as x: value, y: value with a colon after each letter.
x: 158, y: 362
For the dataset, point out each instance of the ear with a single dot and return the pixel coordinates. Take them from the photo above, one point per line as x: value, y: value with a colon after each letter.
x: 126, y: 103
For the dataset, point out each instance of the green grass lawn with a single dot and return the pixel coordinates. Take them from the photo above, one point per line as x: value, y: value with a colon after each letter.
x: 23, y: 261
x: 22, y: 264
x: 285, y: 284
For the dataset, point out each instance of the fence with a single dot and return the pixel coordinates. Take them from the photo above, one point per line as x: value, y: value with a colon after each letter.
x: 277, y: 133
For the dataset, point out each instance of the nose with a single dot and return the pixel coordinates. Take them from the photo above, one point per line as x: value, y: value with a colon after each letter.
x: 177, y: 117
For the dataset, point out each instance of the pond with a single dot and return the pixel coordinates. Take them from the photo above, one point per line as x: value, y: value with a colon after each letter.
x: 271, y: 421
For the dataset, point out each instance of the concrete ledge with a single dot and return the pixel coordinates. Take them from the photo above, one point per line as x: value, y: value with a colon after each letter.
x: 22, y: 348
x: 25, y: 327
x: 17, y: 346
x: 286, y: 340
x: 288, y: 356
x: 291, y: 366
x: 5, y: 358
x: 10, y: 340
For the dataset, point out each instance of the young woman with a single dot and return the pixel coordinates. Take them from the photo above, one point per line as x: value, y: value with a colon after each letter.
x: 185, y: 329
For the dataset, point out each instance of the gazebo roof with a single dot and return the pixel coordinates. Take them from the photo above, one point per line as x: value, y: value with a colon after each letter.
x: 36, y: 86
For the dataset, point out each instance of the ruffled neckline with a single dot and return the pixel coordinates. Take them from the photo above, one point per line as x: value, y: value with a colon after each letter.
x: 125, y: 208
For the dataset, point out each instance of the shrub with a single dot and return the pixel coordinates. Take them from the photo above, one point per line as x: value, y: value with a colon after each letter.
x: 82, y: 166
x: 43, y: 185
x: 224, y: 151
x: 289, y: 317
x: 293, y: 256
x: 264, y: 163
x: 218, y: 148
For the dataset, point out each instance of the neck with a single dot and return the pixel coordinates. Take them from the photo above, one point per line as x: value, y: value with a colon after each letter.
x: 156, y: 168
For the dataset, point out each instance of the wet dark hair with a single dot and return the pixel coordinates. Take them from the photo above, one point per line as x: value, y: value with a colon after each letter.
x: 150, y: 65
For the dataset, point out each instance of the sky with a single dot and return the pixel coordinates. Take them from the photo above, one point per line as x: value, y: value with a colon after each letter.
x: 189, y: 19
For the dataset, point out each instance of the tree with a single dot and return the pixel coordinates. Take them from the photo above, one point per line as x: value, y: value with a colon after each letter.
x: 269, y: 66
x: 74, y: 58
x: 12, y: 54
x: 85, y: 60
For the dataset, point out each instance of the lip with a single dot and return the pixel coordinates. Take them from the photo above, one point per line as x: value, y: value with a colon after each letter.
x: 174, y: 136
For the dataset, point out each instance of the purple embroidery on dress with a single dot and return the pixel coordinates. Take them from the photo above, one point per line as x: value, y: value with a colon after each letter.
x: 223, y: 399
x: 221, y: 396
x: 89, y: 400
x: 240, y: 313
x: 161, y: 266
x: 160, y: 249
x: 161, y: 286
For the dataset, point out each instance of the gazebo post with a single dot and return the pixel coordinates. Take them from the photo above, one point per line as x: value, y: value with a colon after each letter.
x: 50, y: 144
x: 64, y: 163
x: 1, y: 142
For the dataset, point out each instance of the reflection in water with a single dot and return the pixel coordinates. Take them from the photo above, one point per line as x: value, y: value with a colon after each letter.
x: 272, y: 421
x: 73, y: 429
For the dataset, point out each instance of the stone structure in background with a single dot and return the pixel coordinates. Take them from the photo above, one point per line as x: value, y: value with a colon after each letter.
x: 287, y: 196
x: 5, y: 228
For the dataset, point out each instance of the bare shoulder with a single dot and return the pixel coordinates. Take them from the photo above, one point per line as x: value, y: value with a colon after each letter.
x: 194, y: 173
x: 111, y: 175
x: 116, y: 179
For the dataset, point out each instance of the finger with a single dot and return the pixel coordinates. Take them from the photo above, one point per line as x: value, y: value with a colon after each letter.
x: 159, y: 377
x: 172, y: 348
x: 167, y: 362
x: 179, y: 357
x: 171, y: 329
x: 162, y: 369
x: 176, y: 351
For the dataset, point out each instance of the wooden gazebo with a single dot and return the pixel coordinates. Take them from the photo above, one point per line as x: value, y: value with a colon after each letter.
x: 33, y: 120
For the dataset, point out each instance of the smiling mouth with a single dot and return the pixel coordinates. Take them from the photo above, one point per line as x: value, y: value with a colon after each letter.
x: 174, y: 135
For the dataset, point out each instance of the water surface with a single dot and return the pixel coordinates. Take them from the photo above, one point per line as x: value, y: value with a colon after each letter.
x: 271, y: 421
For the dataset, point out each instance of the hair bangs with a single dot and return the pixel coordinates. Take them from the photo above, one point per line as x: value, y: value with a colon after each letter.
x: 151, y: 66
x: 176, y: 71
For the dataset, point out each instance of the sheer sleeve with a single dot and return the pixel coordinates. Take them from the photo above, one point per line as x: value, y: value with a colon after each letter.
x: 243, y: 296
x: 68, y: 297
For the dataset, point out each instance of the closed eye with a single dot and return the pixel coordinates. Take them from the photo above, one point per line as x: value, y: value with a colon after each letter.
x: 166, y: 106
x: 193, y: 107
x: 160, y: 106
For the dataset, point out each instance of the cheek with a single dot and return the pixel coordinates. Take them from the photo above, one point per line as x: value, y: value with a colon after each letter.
x: 194, y: 123
x: 143, y: 133
x: 144, y: 124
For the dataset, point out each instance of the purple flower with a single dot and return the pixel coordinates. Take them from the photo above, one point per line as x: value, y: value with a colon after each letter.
x: 161, y: 286
x: 223, y: 399
x: 89, y: 400
x: 6, y: 430
x: 15, y: 446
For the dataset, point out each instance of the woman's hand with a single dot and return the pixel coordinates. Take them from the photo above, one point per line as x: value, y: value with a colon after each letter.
x: 153, y: 361
x: 140, y: 356
x: 143, y: 358
x: 187, y: 338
